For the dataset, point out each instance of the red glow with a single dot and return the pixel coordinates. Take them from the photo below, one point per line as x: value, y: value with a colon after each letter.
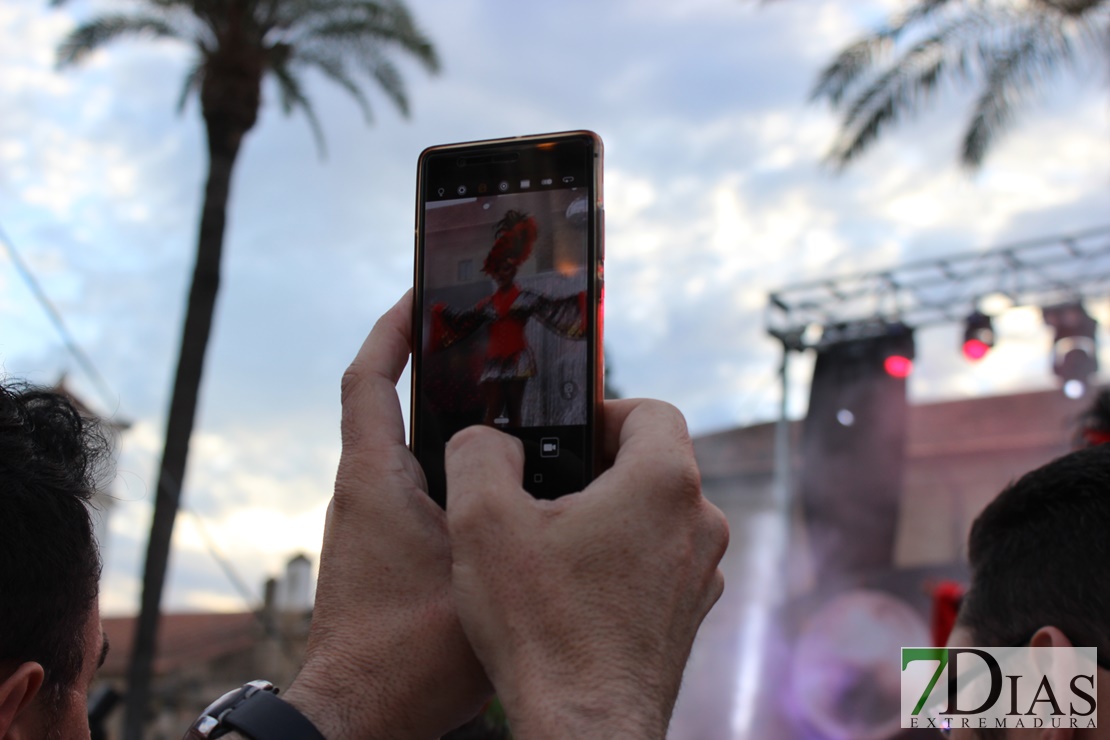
x: 975, y: 349
x: 897, y: 366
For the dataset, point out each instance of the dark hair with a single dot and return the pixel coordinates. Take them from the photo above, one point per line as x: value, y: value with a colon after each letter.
x: 50, y: 463
x: 1040, y: 553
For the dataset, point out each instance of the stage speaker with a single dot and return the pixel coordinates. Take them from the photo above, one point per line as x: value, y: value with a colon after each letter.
x: 853, y: 452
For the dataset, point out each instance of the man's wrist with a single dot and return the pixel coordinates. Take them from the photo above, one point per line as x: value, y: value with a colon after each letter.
x: 585, y: 708
x: 316, y: 699
x: 347, y: 704
x: 593, y: 716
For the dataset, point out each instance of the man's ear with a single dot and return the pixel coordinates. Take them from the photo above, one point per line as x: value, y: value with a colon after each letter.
x: 16, y: 693
x: 1052, y: 637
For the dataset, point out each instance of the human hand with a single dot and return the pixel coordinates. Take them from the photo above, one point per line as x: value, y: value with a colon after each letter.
x: 583, y: 609
x: 386, y: 655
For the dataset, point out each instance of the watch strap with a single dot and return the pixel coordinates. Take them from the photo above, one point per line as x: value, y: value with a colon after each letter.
x: 266, y: 717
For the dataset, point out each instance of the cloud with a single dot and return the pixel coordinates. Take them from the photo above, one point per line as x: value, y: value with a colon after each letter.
x: 257, y: 495
x: 716, y: 196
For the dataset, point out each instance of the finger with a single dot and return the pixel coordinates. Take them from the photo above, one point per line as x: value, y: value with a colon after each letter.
x: 387, y: 348
x: 715, y: 536
x: 647, y: 438
x: 642, y: 419
x: 484, y: 468
x: 711, y: 543
x: 371, y: 410
x: 613, y: 415
x: 713, y: 592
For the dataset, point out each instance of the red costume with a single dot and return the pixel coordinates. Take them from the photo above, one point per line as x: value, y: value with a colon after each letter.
x: 507, y: 311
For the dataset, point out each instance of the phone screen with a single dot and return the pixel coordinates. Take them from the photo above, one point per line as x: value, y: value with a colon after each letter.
x: 508, y: 280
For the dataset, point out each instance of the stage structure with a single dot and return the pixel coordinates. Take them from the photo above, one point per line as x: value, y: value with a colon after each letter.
x: 1058, y: 271
x: 1046, y: 272
x: 853, y: 444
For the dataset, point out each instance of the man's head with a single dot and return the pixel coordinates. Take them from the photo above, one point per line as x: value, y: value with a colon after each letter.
x: 50, y: 461
x: 1039, y: 556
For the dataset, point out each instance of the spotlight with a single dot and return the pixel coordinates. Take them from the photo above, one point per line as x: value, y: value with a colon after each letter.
x: 978, y: 336
x: 897, y: 366
x: 1074, y: 351
x: 1075, y: 389
x: 898, y: 351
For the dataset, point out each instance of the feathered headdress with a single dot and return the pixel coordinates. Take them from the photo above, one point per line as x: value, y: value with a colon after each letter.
x: 513, y: 237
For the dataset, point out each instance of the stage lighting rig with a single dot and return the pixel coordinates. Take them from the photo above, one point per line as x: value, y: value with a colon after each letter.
x: 899, y: 351
x: 1074, y: 350
x: 1044, y: 272
x: 978, y: 336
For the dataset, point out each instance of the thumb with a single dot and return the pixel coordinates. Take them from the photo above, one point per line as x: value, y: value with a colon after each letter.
x: 485, y: 470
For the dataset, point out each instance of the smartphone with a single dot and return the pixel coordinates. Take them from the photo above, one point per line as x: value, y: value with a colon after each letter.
x: 508, y: 303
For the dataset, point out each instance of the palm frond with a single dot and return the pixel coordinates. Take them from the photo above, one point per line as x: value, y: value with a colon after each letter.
x: 905, y: 85
x: 293, y: 97
x: 90, y: 36
x: 352, y: 43
x: 392, y: 85
x: 367, y: 25
x: 341, y: 37
x: 268, y: 12
x: 836, y: 79
x: 335, y: 70
x: 1034, y: 56
x: 1091, y: 31
x: 193, y: 79
x: 389, y: 79
x: 1007, y: 49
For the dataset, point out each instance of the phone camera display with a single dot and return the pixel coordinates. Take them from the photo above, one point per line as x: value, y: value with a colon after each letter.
x: 507, y: 319
x: 503, y: 343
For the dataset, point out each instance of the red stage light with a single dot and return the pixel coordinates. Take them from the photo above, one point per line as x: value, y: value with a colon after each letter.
x: 978, y: 336
x: 976, y: 349
x: 897, y: 366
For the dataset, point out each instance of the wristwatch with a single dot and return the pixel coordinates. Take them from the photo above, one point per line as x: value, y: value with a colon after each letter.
x: 255, y: 712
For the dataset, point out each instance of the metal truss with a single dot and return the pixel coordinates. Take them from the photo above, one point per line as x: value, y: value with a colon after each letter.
x: 1035, y: 273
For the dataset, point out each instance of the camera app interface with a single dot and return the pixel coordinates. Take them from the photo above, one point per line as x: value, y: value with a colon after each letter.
x: 506, y: 321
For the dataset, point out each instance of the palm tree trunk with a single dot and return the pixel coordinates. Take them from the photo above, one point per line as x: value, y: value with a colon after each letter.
x: 223, y: 148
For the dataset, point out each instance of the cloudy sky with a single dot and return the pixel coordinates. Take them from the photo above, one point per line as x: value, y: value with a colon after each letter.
x: 715, y: 195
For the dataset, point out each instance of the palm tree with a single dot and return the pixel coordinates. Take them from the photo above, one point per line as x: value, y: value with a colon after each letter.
x: 238, y: 43
x: 1006, y: 48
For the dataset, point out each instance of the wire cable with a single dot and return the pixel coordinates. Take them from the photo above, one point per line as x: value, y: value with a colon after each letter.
x: 110, y: 399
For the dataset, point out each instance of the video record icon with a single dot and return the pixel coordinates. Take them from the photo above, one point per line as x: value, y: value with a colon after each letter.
x: 549, y: 447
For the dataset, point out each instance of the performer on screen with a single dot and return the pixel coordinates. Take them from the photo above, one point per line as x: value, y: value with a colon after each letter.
x: 509, y: 362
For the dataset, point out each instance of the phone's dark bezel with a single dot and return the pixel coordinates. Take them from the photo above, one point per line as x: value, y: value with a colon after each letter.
x: 489, y: 161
